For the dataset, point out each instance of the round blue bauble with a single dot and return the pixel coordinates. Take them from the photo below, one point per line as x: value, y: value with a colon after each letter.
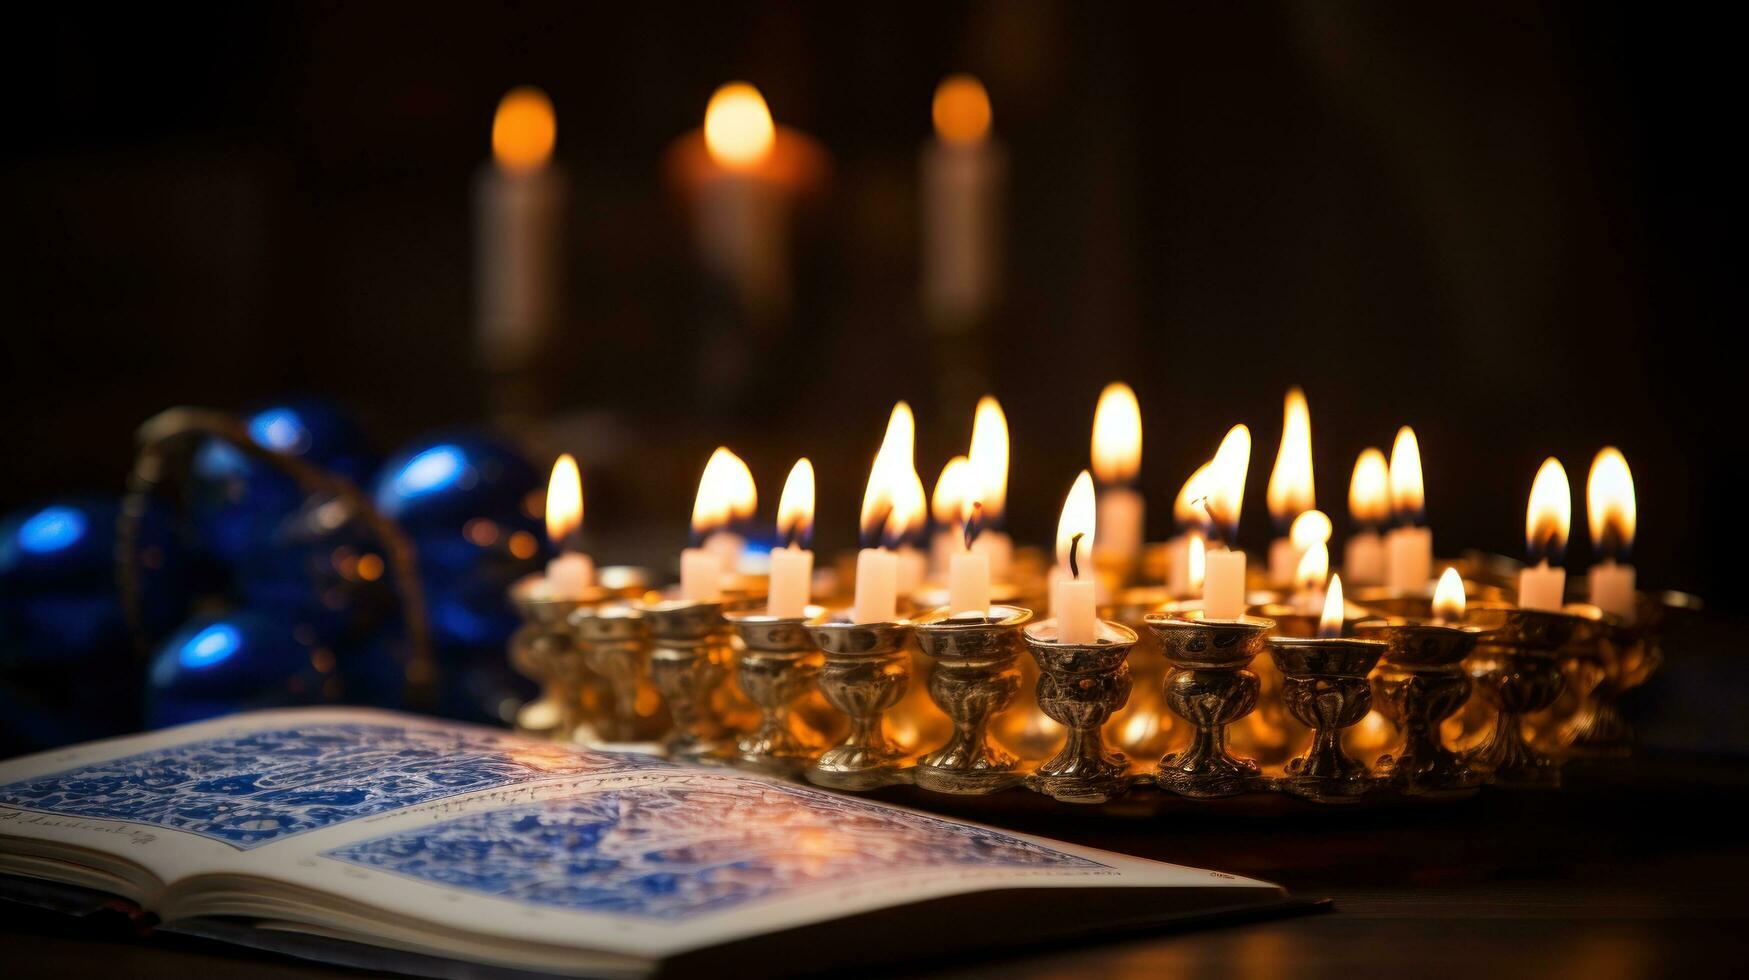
x: 216, y: 665
x: 439, y: 483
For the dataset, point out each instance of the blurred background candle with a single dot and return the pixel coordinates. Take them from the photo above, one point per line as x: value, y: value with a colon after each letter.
x: 1117, y: 457
x: 1408, y: 546
x: 519, y: 203
x: 989, y: 463
x: 877, y: 568
x: 1073, y: 594
x: 1611, y: 513
x: 792, y: 564
x: 968, y: 577
x: 910, y: 520
x: 1310, y: 536
x: 1542, y: 584
x: 743, y: 203
x: 570, y: 573
x: 1369, y: 507
x: 962, y: 177
x: 1223, y: 587
x: 1192, y: 521
x: 701, y: 566
x: 946, y: 506
x: 716, y: 517
x: 1448, y: 598
x: 1291, y: 488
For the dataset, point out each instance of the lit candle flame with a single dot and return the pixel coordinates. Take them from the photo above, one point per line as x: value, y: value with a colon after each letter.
x: 1609, y: 504
x: 1187, y: 510
x: 951, y: 499
x: 738, y: 132
x: 1226, y: 485
x: 1076, y: 525
x: 1369, y: 490
x: 1311, y: 527
x: 1550, y: 514
x: 910, y: 512
x: 890, y: 476
x: 564, y: 500
x: 523, y: 130
x: 795, y: 508
x: 1117, y: 435
x: 961, y: 110
x: 989, y: 457
x: 1290, y: 482
x: 1313, y: 569
x: 1448, y: 597
x: 1196, y: 563
x: 725, y: 493
x: 1330, y: 622
x: 1408, y: 498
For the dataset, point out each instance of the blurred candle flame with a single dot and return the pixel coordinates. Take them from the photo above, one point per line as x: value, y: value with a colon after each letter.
x: 1187, y: 509
x: 1196, y: 562
x: 1290, y: 488
x: 1609, y: 504
x: 738, y: 131
x: 795, y: 508
x: 1226, y: 487
x: 890, y: 476
x: 910, y: 514
x: 989, y: 458
x: 1408, y: 497
x: 1311, y: 527
x: 1117, y: 435
x: 961, y: 110
x: 951, y: 499
x: 564, y: 500
x: 1448, y: 597
x: 1550, y: 514
x: 725, y: 493
x: 1080, y: 512
x: 523, y: 130
x: 1369, y: 490
x: 1313, y: 569
x: 1330, y: 622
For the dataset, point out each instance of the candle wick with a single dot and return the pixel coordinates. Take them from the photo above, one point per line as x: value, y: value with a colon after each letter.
x: 974, y: 524
x: 1074, y: 554
x: 878, y: 536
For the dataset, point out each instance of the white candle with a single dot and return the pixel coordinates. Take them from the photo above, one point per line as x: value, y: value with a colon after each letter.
x: 1612, y: 588
x: 1117, y: 457
x: 1409, y: 558
x: 570, y: 575
x: 1223, y: 585
x: 1073, y: 605
x: 1183, y: 574
x: 701, y: 576
x: 912, y: 567
x: 968, y: 583
x: 742, y: 206
x: 1074, y: 602
x: 1120, y: 525
x: 1363, y: 559
x: 961, y: 191
x: 518, y: 204
x: 1542, y: 586
x: 943, y: 545
x: 877, y: 586
x: 999, y: 547
x: 727, y: 546
x: 1284, y: 557
x: 792, y: 574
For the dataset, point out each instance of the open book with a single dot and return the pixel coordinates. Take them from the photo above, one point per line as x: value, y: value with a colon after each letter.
x: 343, y: 833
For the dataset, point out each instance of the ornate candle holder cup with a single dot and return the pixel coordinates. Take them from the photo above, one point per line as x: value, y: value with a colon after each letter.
x: 776, y: 669
x: 1079, y: 686
x: 615, y: 642
x: 1420, y: 684
x: 1516, y: 668
x: 974, y: 679
x: 1624, y: 656
x: 690, y: 656
x: 865, y: 672
x: 544, y: 650
x: 1325, y: 687
x: 1210, y: 687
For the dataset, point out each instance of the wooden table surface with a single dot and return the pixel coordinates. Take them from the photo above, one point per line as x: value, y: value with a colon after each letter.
x: 1636, y: 869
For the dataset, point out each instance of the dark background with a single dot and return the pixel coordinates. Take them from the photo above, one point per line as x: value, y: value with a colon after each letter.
x: 1495, y: 222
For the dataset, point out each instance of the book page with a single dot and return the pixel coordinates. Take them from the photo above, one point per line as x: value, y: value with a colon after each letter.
x: 473, y: 831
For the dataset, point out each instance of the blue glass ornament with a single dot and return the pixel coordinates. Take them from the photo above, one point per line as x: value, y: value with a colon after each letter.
x: 216, y: 665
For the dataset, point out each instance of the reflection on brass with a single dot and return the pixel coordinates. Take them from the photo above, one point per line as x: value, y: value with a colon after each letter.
x: 1209, y: 687
x: 776, y: 669
x: 1079, y: 686
x: 1515, y: 668
x: 690, y: 656
x: 974, y: 679
x: 1420, y: 683
x: 615, y: 642
x: 866, y: 670
x: 1325, y: 687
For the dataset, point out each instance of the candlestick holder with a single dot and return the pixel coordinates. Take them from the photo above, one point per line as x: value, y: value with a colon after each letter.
x: 1079, y: 686
x: 545, y: 651
x: 865, y: 672
x: 1515, y: 667
x: 778, y: 666
x: 1325, y: 687
x: 1421, y: 683
x: 690, y: 656
x: 1210, y: 687
x: 973, y: 680
x: 615, y: 641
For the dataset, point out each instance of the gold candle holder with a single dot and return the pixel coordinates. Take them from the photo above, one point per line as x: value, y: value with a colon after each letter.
x: 775, y: 670
x: 615, y: 642
x: 1209, y: 687
x: 545, y: 651
x: 865, y: 672
x: 973, y: 680
x: 690, y: 657
x: 1515, y: 667
x: 1079, y: 686
x: 1421, y: 683
x: 1325, y: 687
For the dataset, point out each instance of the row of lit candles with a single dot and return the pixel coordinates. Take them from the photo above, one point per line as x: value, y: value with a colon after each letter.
x: 971, y: 551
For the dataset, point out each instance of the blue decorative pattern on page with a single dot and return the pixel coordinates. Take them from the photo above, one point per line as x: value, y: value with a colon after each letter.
x: 672, y: 852
x: 257, y: 787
